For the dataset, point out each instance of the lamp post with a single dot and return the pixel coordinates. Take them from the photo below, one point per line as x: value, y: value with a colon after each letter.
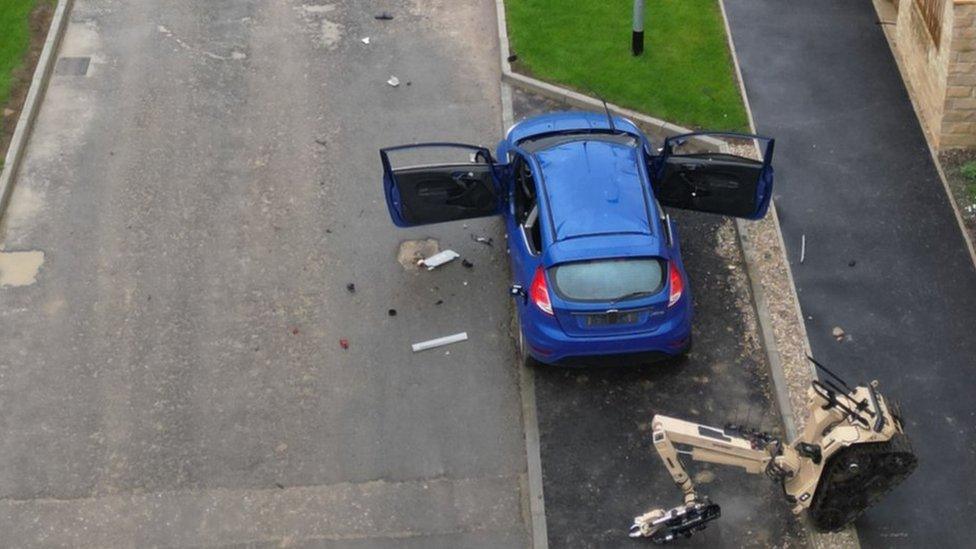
x: 637, y: 37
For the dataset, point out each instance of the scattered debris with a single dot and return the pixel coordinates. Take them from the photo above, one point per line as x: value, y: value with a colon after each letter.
x: 385, y: 16
x: 512, y: 58
x: 393, y: 81
x: 838, y: 333
x: 344, y: 343
x: 439, y: 342
x: 365, y: 40
x: 439, y: 302
x: 8, y: 112
x: 322, y: 142
x: 295, y: 331
x: 351, y: 287
x: 803, y: 248
x: 486, y: 240
x: 467, y: 264
x: 439, y: 259
x: 852, y: 263
x: 391, y: 312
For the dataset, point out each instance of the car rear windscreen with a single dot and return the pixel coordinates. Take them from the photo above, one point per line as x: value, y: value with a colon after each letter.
x: 608, y: 280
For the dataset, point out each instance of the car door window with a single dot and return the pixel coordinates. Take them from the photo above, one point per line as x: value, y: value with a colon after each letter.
x: 526, y: 204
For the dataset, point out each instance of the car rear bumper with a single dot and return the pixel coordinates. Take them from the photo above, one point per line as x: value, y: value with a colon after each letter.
x: 615, y: 360
x: 550, y: 345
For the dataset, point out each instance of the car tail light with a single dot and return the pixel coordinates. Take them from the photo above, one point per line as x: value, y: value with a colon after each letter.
x: 539, y: 292
x: 677, y: 285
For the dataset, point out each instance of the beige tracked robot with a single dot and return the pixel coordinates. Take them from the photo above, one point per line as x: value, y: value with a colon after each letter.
x: 851, y: 452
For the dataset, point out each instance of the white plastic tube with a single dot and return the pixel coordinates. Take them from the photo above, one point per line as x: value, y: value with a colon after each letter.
x: 439, y: 342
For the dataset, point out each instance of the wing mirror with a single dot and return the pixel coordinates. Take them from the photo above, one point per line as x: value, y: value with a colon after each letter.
x: 518, y: 291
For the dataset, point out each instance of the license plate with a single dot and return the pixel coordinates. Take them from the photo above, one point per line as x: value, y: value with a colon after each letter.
x: 610, y: 319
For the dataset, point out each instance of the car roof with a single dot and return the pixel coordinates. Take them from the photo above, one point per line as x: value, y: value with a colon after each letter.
x: 594, y: 187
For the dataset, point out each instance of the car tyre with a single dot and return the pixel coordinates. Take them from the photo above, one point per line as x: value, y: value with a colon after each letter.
x: 522, y: 356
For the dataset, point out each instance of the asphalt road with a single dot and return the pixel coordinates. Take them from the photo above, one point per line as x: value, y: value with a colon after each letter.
x: 202, y: 191
x: 600, y: 469
x: 885, y: 259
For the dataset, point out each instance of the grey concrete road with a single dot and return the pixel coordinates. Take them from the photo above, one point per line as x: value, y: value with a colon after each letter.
x: 196, y: 197
x: 885, y: 259
x: 600, y: 468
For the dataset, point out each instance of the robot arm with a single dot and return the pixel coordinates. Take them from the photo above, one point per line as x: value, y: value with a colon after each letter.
x: 850, y: 453
x: 753, y: 452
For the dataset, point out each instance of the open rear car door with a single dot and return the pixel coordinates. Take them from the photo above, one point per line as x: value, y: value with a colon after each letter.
x: 724, y: 173
x: 438, y: 182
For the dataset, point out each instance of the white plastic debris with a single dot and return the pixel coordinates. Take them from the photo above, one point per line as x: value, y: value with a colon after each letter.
x: 486, y: 240
x: 803, y: 248
x: 393, y: 81
x: 439, y: 259
x: 439, y: 342
x: 364, y: 40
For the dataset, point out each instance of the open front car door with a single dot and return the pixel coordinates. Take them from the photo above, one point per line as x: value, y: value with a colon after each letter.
x: 724, y: 173
x: 438, y: 182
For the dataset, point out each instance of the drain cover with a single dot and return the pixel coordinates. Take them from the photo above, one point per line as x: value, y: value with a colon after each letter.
x: 72, y: 66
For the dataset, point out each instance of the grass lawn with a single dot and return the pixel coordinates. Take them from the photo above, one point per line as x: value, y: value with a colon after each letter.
x: 14, y: 38
x: 685, y: 75
x: 968, y: 171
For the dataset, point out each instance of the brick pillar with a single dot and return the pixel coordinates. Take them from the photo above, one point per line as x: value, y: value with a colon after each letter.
x: 959, y: 114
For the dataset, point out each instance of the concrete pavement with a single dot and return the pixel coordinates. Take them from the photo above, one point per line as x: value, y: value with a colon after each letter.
x: 885, y: 260
x: 199, y: 195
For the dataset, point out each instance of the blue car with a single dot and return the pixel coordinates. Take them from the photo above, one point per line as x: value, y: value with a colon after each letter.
x: 595, y: 259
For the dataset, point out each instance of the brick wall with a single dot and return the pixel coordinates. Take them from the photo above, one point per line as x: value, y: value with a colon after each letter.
x: 941, y: 66
x: 925, y: 61
x: 959, y: 114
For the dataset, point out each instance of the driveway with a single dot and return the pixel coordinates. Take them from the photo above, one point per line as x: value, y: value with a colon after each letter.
x: 885, y: 259
x: 202, y: 184
x: 599, y: 467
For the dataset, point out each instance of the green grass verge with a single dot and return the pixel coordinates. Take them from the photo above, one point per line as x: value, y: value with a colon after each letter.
x: 14, y: 39
x: 968, y: 171
x: 685, y: 75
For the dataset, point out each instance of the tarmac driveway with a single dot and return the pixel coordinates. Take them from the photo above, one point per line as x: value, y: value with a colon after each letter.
x: 885, y: 258
x: 600, y: 468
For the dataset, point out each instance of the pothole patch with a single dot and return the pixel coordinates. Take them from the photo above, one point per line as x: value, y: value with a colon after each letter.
x: 329, y: 32
x: 20, y: 268
x: 72, y: 66
x: 412, y: 251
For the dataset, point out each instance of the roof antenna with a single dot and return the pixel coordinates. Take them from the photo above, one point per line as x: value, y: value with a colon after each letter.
x: 606, y: 109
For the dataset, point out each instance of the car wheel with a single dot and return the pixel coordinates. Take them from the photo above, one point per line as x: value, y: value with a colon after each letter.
x: 523, y: 357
